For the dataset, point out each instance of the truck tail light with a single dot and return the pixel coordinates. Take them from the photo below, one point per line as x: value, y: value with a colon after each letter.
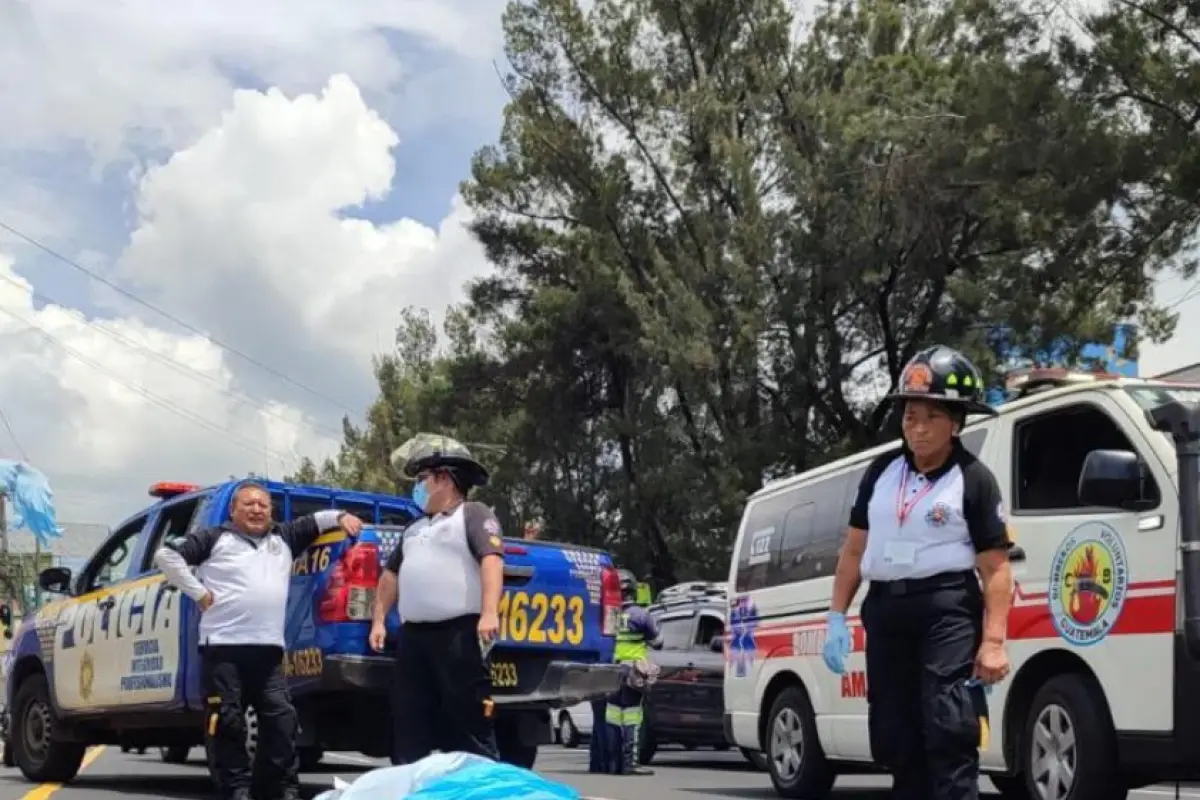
x: 610, y: 601
x: 350, y: 593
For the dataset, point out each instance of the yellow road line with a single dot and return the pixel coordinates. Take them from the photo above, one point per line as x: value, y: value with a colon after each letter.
x: 46, y: 789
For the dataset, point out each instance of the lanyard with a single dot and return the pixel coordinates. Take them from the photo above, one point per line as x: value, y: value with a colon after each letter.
x: 905, y: 507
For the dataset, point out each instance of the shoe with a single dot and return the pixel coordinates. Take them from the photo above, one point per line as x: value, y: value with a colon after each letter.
x: 290, y: 793
x: 640, y: 771
x: 241, y: 794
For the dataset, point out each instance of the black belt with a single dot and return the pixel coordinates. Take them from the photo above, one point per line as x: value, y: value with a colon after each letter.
x: 943, y: 580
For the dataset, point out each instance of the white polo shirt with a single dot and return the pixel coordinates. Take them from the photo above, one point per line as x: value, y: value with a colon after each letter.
x: 248, y: 576
x: 920, y: 525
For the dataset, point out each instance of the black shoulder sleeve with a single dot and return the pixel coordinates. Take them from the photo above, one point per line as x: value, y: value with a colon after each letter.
x: 983, y: 506
x: 866, y: 488
x: 483, y: 531
x: 196, y: 547
x: 396, y: 557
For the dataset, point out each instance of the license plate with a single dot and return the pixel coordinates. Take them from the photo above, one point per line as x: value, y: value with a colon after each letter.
x: 504, y: 675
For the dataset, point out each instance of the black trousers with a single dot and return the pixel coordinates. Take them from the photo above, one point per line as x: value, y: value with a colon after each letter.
x: 235, y: 677
x: 443, y: 691
x: 922, y: 637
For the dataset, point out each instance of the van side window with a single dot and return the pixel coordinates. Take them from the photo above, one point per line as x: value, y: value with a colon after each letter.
x: 760, y: 543
x: 1049, y: 453
x: 816, y: 557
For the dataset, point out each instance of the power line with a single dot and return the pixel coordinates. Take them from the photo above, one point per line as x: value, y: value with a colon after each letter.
x: 146, y: 304
x: 13, y: 435
x: 197, y: 419
x: 179, y: 366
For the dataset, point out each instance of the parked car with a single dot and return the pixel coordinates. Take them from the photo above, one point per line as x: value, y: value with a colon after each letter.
x: 573, y: 726
x: 687, y: 704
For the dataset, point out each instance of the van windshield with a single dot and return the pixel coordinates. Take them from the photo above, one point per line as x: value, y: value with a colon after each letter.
x: 1151, y: 397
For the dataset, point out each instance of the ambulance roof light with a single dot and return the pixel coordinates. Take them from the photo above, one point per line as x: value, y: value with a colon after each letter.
x: 164, y: 490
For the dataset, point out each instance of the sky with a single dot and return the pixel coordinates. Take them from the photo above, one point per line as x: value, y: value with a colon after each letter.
x: 247, y: 194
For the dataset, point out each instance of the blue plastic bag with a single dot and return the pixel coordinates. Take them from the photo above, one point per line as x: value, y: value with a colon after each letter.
x: 32, y: 500
x: 494, y: 781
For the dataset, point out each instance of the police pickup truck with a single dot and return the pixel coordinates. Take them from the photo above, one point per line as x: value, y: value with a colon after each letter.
x: 114, y: 659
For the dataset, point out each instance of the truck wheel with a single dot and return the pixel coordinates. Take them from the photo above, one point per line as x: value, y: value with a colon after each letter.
x: 175, y: 754
x: 1069, y: 750
x: 795, y: 759
x: 40, y: 757
x: 310, y: 758
x: 647, y: 746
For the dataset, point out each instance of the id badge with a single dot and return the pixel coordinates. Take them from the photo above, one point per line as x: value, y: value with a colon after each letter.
x: 900, y: 554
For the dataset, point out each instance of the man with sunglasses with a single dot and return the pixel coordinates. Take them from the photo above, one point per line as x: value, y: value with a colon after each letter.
x: 447, y: 575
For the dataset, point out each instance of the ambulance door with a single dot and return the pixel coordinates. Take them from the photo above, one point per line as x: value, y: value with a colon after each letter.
x: 1097, y: 582
x: 94, y: 634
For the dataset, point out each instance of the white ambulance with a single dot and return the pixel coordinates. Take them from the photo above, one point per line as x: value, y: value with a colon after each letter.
x: 1104, y: 635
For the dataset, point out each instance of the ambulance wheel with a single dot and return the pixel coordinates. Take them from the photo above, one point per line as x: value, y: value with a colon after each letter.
x: 1069, y: 750
x: 41, y: 758
x: 175, y: 754
x: 1010, y: 787
x: 795, y: 759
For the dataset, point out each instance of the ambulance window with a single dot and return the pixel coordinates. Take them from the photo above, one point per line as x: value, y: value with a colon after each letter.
x: 1050, y: 450
x: 763, y: 528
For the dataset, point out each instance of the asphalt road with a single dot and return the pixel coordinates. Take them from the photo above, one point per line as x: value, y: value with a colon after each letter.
x: 678, y: 776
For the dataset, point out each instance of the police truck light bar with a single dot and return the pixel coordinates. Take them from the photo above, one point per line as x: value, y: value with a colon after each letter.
x: 1021, y: 382
x: 164, y: 490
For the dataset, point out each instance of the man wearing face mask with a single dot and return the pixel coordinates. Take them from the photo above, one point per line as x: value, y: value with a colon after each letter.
x: 447, y: 575
x: 241, y: 586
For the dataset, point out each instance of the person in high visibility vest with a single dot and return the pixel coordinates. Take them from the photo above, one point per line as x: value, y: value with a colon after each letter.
x: 638, y: 633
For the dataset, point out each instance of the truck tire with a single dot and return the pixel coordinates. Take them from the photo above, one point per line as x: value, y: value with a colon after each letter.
x: 647, y: 746
x: 40, y: 758
x: 1067, y: 724
x: 310, y: 758
x: 795, y: 759
x: 175, y: 754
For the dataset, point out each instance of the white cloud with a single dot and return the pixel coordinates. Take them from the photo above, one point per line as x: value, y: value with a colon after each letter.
x: 112, y: 75
x: 242, y: 234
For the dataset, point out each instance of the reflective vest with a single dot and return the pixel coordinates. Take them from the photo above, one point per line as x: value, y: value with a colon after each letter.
x: 631, y: 645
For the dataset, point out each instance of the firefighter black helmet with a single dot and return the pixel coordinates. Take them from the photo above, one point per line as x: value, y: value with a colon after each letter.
x: 428, y: 451
x: 943, y: 375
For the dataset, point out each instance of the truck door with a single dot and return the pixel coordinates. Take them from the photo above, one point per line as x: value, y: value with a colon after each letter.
x: 706, y: 701
x: 100, y: 630
x: 178, y: 644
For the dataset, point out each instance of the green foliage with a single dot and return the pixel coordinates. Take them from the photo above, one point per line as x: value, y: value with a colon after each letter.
x: 718, y: 238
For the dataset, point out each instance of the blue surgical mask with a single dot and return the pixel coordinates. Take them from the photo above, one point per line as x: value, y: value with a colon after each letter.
x: 420, y: 496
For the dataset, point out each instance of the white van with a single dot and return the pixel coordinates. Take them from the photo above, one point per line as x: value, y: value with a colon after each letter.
x: 1104, y: 695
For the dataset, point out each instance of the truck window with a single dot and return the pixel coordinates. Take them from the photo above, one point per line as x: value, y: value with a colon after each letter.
x: 112, y: 563
x: 394, y: 516
x: 303, y: 506
x: 676, y: 633
x: 174, y: 521
x: 1050, y: 449
x: 364, y: 511
x: 710, y: 625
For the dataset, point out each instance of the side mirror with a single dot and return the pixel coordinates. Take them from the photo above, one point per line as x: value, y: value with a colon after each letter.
x: 1112, y: 479
x: 56, y: 580
x: 718, y: 643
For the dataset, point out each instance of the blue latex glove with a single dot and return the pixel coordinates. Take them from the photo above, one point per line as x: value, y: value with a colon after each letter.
x: 837, y: 643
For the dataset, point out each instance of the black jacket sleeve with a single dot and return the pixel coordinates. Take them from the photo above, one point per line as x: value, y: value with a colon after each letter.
x: 983, y: 506
x: 196, y: 547
x: 866, y: 489
x: 395, y: 558
x: 299, y: 534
